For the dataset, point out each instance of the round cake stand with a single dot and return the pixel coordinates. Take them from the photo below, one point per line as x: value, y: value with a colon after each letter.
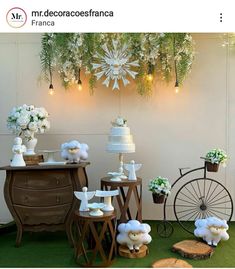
x: 50, y: 157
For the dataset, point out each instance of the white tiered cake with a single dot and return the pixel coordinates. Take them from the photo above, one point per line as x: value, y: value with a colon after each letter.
x: 120, y: 140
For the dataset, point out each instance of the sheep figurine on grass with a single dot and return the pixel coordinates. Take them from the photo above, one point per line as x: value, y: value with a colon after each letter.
x: 74, y: 151
x: 133, y: 234
x: 212, y: 230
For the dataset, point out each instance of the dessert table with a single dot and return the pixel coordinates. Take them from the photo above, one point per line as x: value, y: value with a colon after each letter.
x: 41, y: 198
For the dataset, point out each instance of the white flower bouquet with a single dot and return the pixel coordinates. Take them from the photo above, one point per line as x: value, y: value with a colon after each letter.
x: 160, y: 186
x: 119, y: 122
x: 26, y: 120
x: 216, y: 156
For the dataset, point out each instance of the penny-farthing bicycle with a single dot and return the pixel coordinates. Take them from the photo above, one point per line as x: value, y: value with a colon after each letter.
x: 196, y: 198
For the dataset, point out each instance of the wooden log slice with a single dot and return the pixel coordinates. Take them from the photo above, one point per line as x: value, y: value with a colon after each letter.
x: 193, y: 249
x: 125, y: 252
x: 171, y: 262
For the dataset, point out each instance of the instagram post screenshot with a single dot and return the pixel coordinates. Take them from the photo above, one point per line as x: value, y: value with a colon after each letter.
x: 117, y: 134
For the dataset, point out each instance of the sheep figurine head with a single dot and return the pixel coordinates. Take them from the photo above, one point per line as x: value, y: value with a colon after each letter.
x: 73, y: 151
x: 211, y: 230
x: 133, y: 234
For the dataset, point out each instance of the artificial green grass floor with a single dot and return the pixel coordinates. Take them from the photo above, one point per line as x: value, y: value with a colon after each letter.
x: 53, y: 250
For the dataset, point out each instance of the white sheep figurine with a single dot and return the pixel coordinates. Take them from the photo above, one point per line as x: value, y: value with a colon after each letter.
x: 134, y: 234
x: 74, y: 151
x: 212, y: 230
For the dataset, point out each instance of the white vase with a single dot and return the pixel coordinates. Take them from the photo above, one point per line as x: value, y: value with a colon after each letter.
x: 30, y: 146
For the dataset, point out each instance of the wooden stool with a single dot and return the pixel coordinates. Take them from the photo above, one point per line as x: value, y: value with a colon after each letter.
x: 96, y: 242
x: 127, y: 189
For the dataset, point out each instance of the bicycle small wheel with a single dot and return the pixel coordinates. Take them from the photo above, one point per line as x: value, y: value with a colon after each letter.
x: 202, y: 198
x: 165, y: 229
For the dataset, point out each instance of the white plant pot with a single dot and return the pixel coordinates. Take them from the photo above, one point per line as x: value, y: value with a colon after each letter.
x: 30, y: 146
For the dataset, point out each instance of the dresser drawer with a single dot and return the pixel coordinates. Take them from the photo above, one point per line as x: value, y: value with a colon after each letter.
x: 42, y: 180
x: 50, y: 197
x: 42, y: 215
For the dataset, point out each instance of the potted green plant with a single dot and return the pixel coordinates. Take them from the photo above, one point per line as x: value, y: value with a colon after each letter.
x: 214, y: 158
x: 160, y: 188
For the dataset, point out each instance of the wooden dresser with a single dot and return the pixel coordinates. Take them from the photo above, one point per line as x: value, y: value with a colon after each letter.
x: 40, y: 198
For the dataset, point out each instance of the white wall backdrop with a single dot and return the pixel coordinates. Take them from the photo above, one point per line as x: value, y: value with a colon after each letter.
x: 170, y: 130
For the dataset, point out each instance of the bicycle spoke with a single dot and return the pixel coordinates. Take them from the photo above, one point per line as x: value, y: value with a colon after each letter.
x: 192, y: 216
x: 225, y: 202
x: 199, y: 188
x: 184, y: 210
x: 207, y: 214
x: 213, y: 210
x: 194, y: 190
x: 185, y: 201
x: 197, y: 215
x: 185, y: 205
x: 220, y: 207
x: 216, y: 195
x: 187, y: 214
x: 220, y: 198
x: 188, y: 197
x: 214, y: 214
x: 208, y: 190
x: 216, y: 186
x: 204, y: 189
x: 196, y: 199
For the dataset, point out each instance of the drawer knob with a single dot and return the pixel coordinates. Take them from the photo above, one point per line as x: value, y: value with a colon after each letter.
x: 58, y: 199
x: 26, y: 199
x: 57, y: 181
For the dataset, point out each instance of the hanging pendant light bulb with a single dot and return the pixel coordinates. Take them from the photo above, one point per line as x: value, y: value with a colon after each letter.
x: 177, y: 87
x: 51, y: 90
x: 51, y: 87
x: 149, y: 76
x: 176, y: 73
x: 79, y: 85
x: 79, y: 80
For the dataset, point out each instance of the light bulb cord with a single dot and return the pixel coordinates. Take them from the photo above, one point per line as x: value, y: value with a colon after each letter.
x: 175, y: 63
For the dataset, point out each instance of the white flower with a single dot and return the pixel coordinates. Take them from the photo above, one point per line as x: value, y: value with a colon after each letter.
x: 23, y: 121
x: 33, y: 126
x: 27, y: 120
x: 45, y: 124
x: 16, y: 115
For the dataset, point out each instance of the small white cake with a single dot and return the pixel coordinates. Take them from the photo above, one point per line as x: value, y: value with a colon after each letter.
x: 120, y: 139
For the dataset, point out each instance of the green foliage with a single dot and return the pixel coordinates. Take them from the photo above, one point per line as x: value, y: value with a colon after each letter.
x: 46, y: 56
x: 169, y: 54
x: 160, y: 185
x: 216, y: 156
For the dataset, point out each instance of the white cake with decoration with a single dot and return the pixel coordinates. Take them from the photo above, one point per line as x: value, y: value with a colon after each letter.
x: 120, y: 139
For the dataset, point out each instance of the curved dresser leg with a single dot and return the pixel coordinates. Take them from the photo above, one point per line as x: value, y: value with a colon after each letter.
x: 19, y: 235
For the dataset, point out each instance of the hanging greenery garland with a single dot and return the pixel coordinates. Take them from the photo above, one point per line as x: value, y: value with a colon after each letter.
x: 115, y: 56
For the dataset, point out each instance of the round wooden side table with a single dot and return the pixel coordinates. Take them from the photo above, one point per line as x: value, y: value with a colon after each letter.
x: 95, y: 245
x: 129, y: 190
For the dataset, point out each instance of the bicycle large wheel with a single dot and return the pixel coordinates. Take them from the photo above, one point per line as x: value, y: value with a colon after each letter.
x: 201, y: 198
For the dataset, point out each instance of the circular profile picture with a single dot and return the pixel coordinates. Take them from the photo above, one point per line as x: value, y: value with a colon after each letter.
x: 16, y: 17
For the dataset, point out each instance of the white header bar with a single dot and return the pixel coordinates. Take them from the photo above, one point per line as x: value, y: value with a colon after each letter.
x: 117, y: 16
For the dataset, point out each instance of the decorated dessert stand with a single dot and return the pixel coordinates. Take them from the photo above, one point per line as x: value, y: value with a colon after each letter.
x: 107, y: 196
x: 120, y: 141
x: 129, y: 190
